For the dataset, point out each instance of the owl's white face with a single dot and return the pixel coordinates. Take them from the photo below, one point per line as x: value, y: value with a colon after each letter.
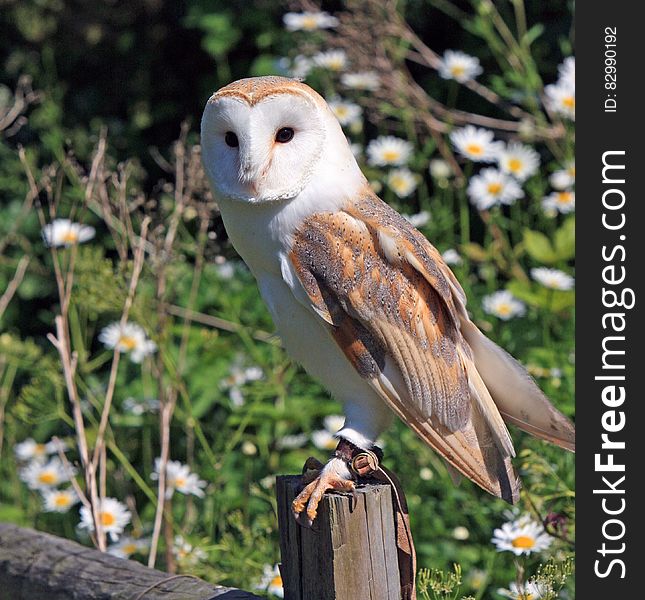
x: 262, y: 147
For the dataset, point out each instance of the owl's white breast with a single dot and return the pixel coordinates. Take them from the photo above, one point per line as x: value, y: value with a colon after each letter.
x: 262, y: 234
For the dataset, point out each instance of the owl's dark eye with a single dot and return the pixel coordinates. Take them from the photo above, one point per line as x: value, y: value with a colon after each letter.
x: 284, y: 135
x: 231, y: 139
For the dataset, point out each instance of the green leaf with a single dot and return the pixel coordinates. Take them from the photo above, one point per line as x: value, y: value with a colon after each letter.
x: 565, y: 239
x: 220, y: 36
x: 539, y: 247
x: 533, y: 34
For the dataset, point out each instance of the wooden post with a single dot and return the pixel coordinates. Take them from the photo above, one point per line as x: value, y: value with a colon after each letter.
x: 38, y: 566
x: 349, y: 554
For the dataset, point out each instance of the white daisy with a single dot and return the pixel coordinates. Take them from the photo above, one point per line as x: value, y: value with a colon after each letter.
x: 54, y: 446
x: 567, y: 71
x: 300, y: 67
x: 476, y: 578
x: 553, y: 278
x: 334, y: 60
x: 180, y: 478
x: 459, y: 66
x: 346, y: 112
x: 531, y: 590
x: 402, y: 182
x: 324, y: 440
x: 29, y: 449
x: 426, y: 474
x: 503, y: 305
x: 186, y: 553
x: 492, y: 187
x: 127, y: 546
x: 460, y: 533
x: 132, y: 338
x: 38, y: 475
x: 564, y: 178
x: 365, y: 80
x: 452, y: 257
x: 563, y: 202
x: 58, y: 500
x: 357, y: 150
x: 288, y: 442
x: 254, y: 373
x: 334, y: 423
x: 376, y: 186
x: 62, y: 232
x: 561, y: 99
x: 114, y: 516
x: 388, y: 150
x: 249, y: 448
x: 522, y: 536
x: 440, y: 169
x: 139, y: 407
x: 475, y: 143
x: 271, y: 581
x: 419, y: 219
x: 308, y: 21
x: 518, y: 160
x: 225, y: 268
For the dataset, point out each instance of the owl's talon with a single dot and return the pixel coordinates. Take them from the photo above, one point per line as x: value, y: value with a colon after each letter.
x: 307, y: 501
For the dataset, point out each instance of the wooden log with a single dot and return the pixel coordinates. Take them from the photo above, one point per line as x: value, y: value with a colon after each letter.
x: 350, y: 552
x: 39, y: 566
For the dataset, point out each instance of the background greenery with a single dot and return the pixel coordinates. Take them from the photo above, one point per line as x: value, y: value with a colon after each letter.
x: 140, y: 68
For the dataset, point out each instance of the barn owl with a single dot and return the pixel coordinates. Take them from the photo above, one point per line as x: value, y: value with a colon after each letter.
x: 359, y: 297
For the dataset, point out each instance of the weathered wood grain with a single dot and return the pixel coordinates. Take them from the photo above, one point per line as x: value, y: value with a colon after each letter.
x: 349, y: 554
x: 39, y: 566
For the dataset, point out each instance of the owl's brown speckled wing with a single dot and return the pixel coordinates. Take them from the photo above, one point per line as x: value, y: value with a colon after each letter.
x: 394, y: 308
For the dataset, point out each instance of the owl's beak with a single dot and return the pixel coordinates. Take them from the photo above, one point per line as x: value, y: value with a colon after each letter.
x: 249, y: 173
x: 248, y: 178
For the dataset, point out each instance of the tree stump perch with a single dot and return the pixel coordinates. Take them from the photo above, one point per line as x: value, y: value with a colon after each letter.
x: 39, y: 566
x: 349, y: 554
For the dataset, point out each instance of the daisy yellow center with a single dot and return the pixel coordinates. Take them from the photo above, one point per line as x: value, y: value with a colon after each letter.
x: 39, y: 449
x: 336, y: 64
x: 129, y: 548
x: 514, y: 165
x: 62, y: 500
x: 276, y: 581
x: 127, y: 342
x: 524, y: 596
x: 494, y: 188
x: 107, y: 519
x: 70, y: 237
x: 569, y: 102
x: 504, y: 309
x: 458, y: 70
x: 341, y: 111
x: 523, y: 541
x: 309, y: 23
x: 572, y: 171
x: 179, y: 482
x: 330, y: 444
x: 391, y: 155
x: 398, y: 182
x: 564, y: 197
x: 48, y: 478
x: 474, y: 149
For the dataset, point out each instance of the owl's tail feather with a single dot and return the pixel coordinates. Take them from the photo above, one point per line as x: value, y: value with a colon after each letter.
x: 472, y: 451
x: 518, y: 398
